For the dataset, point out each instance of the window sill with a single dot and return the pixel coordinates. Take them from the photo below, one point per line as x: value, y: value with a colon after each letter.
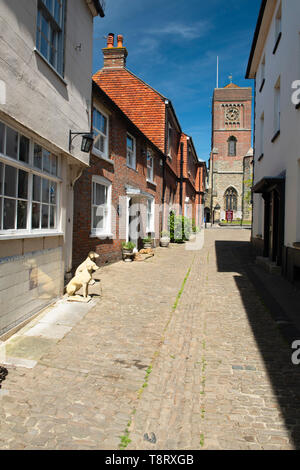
x: 19, y: 236
x: 37, y: 52
x: 151, y: 182
x: 131, y: 168
x: 277, y: 43
x: 262, y: 85
x: 277, y: 134
x: 102, y: 157
x: 260, y: 158
x: 101, y: 235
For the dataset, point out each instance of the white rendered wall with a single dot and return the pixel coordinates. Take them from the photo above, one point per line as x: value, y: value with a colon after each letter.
x: 284, y: 153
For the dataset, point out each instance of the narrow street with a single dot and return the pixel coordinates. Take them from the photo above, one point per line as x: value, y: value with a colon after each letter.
x: 179, y: 351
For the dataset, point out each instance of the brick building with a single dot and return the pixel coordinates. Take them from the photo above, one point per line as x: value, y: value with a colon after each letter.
x: 126, y: 177
x: 230, y: 168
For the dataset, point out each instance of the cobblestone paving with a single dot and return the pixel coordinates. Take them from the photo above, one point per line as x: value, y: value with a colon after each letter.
x: 212, y: 373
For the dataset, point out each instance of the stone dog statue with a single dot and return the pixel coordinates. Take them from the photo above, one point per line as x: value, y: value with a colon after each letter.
x: 82, y: 278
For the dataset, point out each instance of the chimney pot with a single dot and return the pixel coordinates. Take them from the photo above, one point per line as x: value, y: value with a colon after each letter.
x: 110, y: 40
x: 120, y: 40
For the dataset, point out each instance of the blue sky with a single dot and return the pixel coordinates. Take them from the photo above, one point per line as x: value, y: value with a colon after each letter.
x: 173, y: 46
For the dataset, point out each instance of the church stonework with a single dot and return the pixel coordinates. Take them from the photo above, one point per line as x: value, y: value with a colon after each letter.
x: 230, y: 165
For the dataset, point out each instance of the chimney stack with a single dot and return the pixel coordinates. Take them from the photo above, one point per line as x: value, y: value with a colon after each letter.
x: 110, y: 40
x: 114, y: 57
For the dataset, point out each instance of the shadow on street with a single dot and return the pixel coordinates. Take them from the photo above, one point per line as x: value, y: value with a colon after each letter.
x: 273, y: 339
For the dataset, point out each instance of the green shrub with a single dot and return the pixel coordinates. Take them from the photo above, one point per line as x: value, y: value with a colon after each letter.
x: 180, y: 228
x: 147, y: 240
x: 128, y: 245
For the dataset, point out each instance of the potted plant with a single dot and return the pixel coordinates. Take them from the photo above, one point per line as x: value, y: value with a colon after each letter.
x: 147, y: 242
x: 165, y: 239
x: 127, y: 250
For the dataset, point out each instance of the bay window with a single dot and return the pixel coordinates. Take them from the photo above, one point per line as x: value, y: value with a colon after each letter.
x: 29, y: 185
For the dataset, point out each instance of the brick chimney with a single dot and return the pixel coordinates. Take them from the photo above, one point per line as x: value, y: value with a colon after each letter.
x: 114, y: 57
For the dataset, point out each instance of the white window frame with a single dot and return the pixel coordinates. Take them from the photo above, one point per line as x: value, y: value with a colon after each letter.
x: 151, y: 177
x: 106, y: 230
x: 150, y: 225
x: 58, y: 26
x: 31, y: 170
x: 131, y: 152
x: 97, y: 152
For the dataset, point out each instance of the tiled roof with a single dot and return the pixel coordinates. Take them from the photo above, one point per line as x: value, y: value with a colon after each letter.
x: 139, y: 101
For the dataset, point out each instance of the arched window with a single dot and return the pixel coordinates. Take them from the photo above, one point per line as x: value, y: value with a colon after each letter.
x: 232, y: 141
x: 231, y: 199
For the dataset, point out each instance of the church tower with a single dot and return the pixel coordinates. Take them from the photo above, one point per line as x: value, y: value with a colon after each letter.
x: 230, y: 167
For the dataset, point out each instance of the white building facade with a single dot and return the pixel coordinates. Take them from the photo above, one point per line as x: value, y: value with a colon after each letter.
x: 274, y: 63
x: 45, y: 92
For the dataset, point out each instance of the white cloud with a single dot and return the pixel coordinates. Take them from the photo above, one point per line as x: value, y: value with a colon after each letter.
x: 191, y: 31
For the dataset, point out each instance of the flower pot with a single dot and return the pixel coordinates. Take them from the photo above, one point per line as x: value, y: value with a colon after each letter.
x: 147, y: 244
x: 127, y: 255
x: 164, y: 242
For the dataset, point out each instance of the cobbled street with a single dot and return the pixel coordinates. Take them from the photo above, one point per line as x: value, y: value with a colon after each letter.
x: 178, y: 353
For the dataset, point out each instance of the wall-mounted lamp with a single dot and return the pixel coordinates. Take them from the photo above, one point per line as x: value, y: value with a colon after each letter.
x: 87, y: 141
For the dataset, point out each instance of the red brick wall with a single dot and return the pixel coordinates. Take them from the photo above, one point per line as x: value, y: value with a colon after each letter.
x: 222, y: 131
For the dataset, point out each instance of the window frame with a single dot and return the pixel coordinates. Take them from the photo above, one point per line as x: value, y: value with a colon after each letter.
x: 149, y: 156
x: 133, y: 167
x: 231, y: 195
x: 31, y: 171
x: 233, y: 139
x: 54, y: 28
x: 106, y: 231
x: 150, y: 225
x: 95, y: 151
